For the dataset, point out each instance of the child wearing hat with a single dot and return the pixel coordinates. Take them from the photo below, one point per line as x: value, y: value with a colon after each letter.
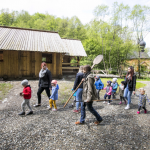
x: 27, y: 95
x: 108, y: 89
x: 142, y: 100
x: 54, y: 96
x: 121, y: 93
x: 114, y: 87
x: 99, y: 85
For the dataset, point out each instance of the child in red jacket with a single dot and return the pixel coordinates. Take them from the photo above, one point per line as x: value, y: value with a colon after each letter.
x: 27, y: 95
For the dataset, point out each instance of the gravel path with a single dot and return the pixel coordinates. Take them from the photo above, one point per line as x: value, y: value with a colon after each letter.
x: 120, y: 130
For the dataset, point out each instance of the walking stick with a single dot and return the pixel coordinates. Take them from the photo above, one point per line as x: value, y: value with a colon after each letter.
x: 96, y: 61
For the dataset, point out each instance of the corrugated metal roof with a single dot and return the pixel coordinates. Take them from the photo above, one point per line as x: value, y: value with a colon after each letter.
x: 74, y: 47
x: 30, y: 40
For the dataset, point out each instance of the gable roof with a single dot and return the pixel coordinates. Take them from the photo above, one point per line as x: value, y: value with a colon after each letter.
x: 74, y: 47
x: 135, y: 55
x: 13, y: 38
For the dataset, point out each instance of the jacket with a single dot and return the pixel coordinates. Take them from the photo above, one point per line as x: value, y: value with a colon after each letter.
x: 142, y: 99
x: 121, y: 92
x: 99, y: 84
x: 131, y: 83
x: 27, y: 92
x: 78, y: 79
x: 89, y: 91
x: 110, y: 90
x: 46, y: 80
x: 54, y: 95
x: 114, y: 86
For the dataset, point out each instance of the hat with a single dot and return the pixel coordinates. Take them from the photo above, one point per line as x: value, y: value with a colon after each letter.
x: 24, y: 82
x: 109, y: 82
x: 54, y: 82
x: 97, y: 77
x: 114, y: 79
x: 123, y: 82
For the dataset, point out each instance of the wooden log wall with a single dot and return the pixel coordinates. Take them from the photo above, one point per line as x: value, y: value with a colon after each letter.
x: 21, y: 64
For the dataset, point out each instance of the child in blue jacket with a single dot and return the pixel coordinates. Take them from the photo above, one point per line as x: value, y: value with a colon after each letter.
x: 114, y: 87
x: 54, y: 95
x: 99, y: 85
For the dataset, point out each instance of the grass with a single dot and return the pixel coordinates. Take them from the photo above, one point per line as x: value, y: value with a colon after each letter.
x: 4, y: 88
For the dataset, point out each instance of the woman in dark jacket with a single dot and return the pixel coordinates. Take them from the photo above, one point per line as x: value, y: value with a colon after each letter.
x: 45, y: 79
x: 130, y: 85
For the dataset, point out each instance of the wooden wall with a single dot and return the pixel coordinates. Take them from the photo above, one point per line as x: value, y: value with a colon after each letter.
x: 21, y: 64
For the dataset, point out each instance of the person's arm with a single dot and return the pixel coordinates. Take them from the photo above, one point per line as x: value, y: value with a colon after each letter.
x: 39, y: 82
x: 27, y: 91
x: 134, y: 83
x: 76, y: 82
x: 137, y: 94
x: 110, y: 90
x: 148, y: 99
x: 90, y: 90
x: 51, y: 97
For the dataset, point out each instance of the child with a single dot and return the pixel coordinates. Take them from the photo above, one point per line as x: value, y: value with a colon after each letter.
x: 121, y: 93
x: 114, y: 87
x: 99, y: 85
x: 108, y: 89
x: 142, y: 100
x: 27, y: 95
x: 54, y: 95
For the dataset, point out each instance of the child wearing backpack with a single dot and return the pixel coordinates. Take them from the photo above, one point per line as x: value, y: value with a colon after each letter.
x: 108, y: 89
x: 54, y: 95
x: 26, y: 93
x: 121, y: 93
x: 114, y: 85
x: 142, y: 100
x: 99, y: 85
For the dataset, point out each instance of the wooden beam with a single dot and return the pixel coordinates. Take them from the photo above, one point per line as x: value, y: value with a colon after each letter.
x: 70, y: 67
x: 69, y: 63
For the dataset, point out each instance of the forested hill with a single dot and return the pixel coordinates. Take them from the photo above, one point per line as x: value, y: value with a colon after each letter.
x: 108, y: 34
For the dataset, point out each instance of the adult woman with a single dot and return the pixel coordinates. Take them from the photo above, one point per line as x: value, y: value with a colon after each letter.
x: 79, y: 77
x: 45, y: 79
x: 130, y: 84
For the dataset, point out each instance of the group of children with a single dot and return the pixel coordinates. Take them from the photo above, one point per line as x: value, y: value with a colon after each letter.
x: 111, y: 89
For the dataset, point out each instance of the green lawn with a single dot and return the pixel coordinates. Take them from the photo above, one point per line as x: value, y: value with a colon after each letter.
x: 4, y: 88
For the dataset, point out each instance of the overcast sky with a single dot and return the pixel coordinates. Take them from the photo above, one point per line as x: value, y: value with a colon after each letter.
x: 83, y: 9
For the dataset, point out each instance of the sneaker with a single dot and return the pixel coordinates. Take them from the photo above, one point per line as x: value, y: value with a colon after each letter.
x: 78, y: 122
x: 120, y: 103
x: 97, y: 122
x: 145, y: 111
x: 30, y: 113
x: 49, y: 108
x: 108, y: 103
x: 138, y: 112
x: 76, y: 111
x: 104, y: 102
x: 54, y: 110
x: 22, y: 113
x: 37, y: 105
x: 127, y: 107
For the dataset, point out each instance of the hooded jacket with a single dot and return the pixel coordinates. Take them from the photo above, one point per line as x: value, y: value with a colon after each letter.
x: 79, y: 77
x: 54, y: 95
x: 89, y: 91
x: 99, y: 84
x: 131, y: 83
x: 27, y: 92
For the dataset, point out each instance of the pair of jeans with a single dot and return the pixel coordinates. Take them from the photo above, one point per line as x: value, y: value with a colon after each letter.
x: 40, y: 90
x: 79, y: 98
x: 109, y: 96
x: 127, y: 95
x: 91, y: 109
x: 98, y: 93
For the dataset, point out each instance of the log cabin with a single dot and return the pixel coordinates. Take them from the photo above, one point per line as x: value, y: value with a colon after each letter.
x: 23, y: 50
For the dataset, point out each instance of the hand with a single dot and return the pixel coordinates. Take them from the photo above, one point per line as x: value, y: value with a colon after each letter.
x: 134, y: 92
x: 50, y: 88
x: 83, y: 79
x: 22, y: 94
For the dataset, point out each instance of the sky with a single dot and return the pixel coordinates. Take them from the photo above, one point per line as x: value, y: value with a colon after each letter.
x: 83, y: 9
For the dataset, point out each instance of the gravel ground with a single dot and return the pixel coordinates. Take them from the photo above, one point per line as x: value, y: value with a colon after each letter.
x: 120, y: 130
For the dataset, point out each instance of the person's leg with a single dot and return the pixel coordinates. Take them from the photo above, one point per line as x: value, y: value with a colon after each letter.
x: 125, y: 93
x: 105, y: 96
x: 23, y: 105
x: 28, y: 104
x: 139, y: 108
x: 48, y: 92
x: 40, y: 90
x: 77, y: 105
x: 129, y: 97
x: 145, y: 110
x: 54, y: 103
x: 109, y: 96
x: 50, y: 103
x: 93, y: 111
x: 125, y: 102
x: 98, y: 94
x: 83, y: 113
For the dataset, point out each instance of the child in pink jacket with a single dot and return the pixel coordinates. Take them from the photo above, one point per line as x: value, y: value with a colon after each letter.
x: 108, y: 89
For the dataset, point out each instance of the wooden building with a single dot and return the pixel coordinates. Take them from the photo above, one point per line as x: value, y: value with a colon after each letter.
x: 23, y: 50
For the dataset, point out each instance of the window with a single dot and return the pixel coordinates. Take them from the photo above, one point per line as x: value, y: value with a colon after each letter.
x: 47, y: 58
x: 1, y: 56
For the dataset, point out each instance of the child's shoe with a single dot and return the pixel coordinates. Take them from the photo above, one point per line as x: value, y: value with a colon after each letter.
x: 108, y: 103
x: 104, y: 102
x: 22, y: 113
x: 125, y: 102
x: 145, y: 111
x: 138, y: 112
x: 120, y: 103
x: 54, y: 109
x: 49, y: 108
x: 30, y: 113
x: 76, y: 111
